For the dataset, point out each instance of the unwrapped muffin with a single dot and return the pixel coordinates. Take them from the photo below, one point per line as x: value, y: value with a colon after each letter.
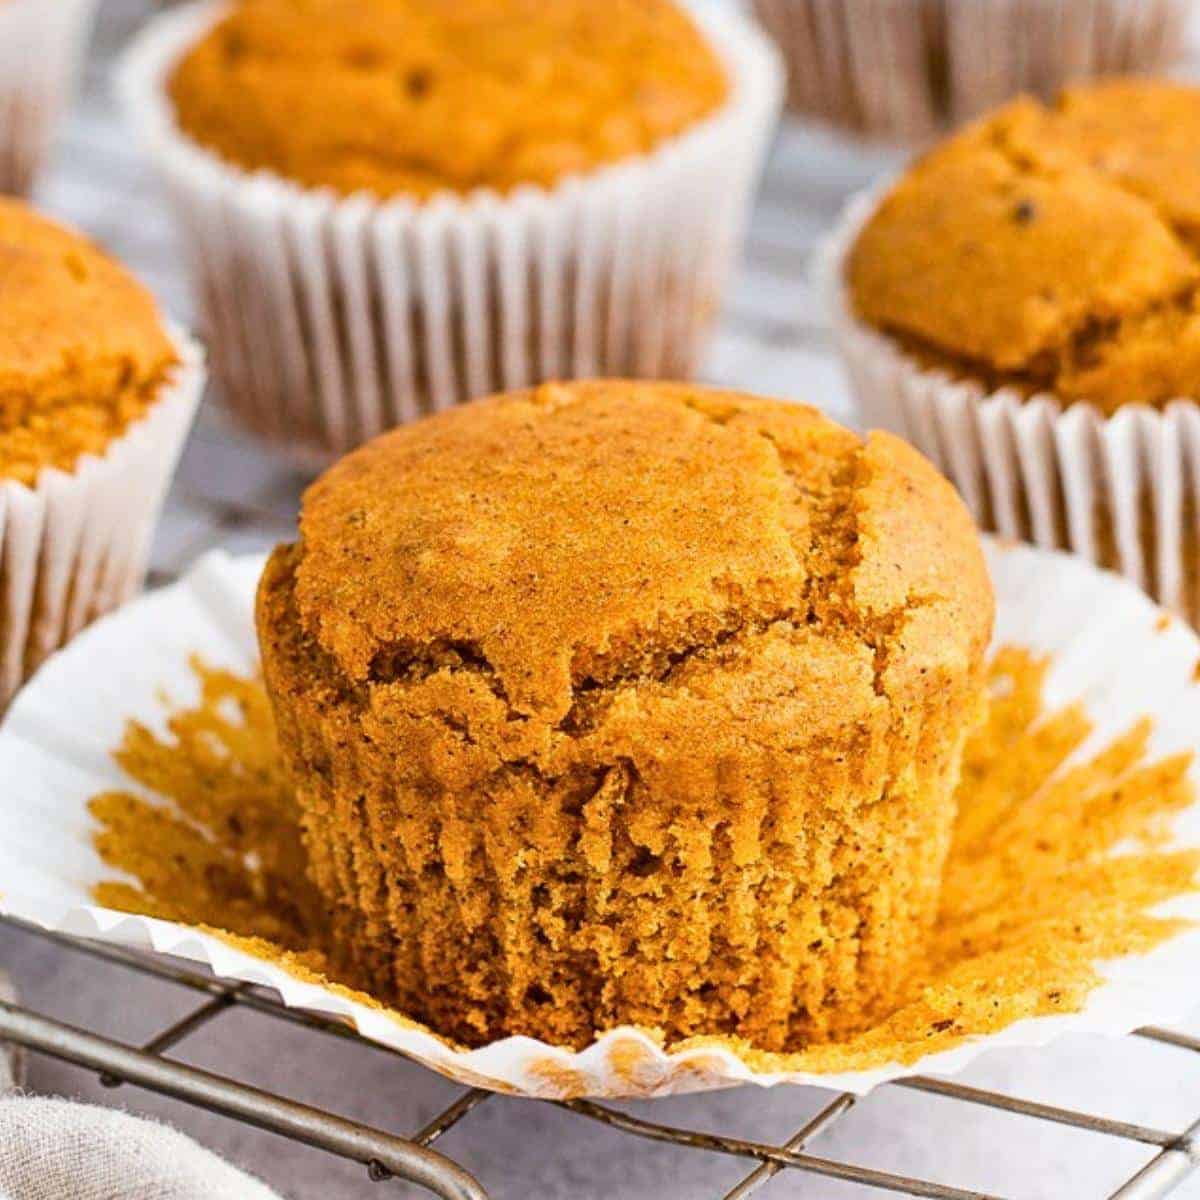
x: 397, y: 205
x: 621, y: 703
x: 96, y: 396
x: 1023, y: 305
x: 909, y: 69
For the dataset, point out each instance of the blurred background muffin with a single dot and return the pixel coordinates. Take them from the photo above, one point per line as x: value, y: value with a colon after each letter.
x: 96, y: 397
x: 617, y: 702
x: 1022, y: 305
x: 392, y: 206
x: 907, y: 69
x: 41, y: 44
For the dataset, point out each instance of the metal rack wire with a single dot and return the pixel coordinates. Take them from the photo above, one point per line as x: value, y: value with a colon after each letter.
x: 1174, y: 1156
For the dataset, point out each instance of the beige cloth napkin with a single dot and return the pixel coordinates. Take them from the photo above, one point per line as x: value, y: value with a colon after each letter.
x: 57, y: 1150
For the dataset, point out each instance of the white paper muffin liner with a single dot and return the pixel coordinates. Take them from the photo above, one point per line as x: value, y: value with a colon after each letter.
x: 331, y: 319
x: 906, y: 69
x: 1122, y: 491
x: 74, y: 544
x: 55, y: 754
x: 41, y: 45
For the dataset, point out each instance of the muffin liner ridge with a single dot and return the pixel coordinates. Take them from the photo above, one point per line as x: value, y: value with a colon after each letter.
x: 332, y: 319
x: 74, y: 543
x: 1122, y: 491
x: 41, y: 43
x: 907, y: 69
x: 55, y: 749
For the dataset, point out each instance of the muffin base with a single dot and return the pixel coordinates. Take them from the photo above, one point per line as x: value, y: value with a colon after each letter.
x: 786, y: 903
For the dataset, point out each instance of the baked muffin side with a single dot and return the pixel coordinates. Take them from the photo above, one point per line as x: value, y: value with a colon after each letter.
x: 413, y: 97
x: 83, y: 350
x: 614, y: 703
x: 1053, y: 249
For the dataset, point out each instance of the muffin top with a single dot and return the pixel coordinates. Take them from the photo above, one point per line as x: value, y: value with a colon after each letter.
x: 419, y: 96
x: 83, y: 350
x: 604, y: 542
x: 1051, y: 248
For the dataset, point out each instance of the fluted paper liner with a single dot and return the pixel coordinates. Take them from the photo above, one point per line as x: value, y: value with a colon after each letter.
x: 907, y: 69
x: 74, y: 544
x: 41, y: 44
x: 1109, y: 646
x: 1122, y: 491
x: 330, y: 320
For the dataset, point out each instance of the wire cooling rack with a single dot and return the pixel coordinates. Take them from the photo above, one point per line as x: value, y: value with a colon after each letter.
x: 1173, y: 1156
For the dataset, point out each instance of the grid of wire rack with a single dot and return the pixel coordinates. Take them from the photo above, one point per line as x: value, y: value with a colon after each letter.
x: 1173, y: 1156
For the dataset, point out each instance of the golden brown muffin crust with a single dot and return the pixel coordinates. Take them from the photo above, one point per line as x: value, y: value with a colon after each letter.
x: 1054, y: 249
x: 1142, y: 134
x: 574, y: 535
x: 413, y: 97
x: 83, y: 351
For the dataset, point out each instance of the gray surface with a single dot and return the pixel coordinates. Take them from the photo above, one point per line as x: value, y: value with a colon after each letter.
x: 772, y: 341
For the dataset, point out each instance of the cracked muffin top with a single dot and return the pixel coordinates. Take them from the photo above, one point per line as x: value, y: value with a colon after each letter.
x: 1051, y: 248
x: 415, y: 97
x: 580, y: 540
x: 83, y: 350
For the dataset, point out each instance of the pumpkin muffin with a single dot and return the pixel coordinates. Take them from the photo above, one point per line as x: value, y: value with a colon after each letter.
x: 1024, y: 305
x: 426, y: 201
x: 413, y: 97
x: 616, y: 702
x: 96, y: 397
x: 1052, y: 249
